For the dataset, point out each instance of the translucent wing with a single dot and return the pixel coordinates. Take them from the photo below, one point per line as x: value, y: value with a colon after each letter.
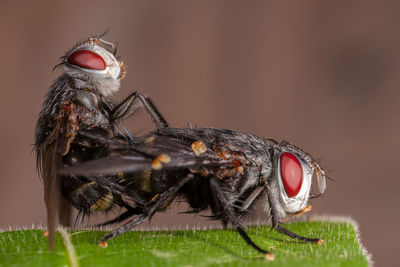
x: 49, y: 155
x: 155, y: 151
x: 48, y: 161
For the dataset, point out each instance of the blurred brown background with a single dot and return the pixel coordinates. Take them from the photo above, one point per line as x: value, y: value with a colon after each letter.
x: 322, y: 75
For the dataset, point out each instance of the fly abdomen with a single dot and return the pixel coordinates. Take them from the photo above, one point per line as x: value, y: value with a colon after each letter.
x: 104, y: 203
x: 90, y: 196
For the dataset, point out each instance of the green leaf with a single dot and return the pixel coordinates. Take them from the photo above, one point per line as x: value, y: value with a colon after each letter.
x: 188, y: 248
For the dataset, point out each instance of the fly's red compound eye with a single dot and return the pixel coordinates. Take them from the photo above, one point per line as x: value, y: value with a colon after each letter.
x: 87, y: 59
x: 291, y: 173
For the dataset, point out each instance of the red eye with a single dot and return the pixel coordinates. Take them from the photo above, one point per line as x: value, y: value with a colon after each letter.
x: 87, y: 59
x: 292, y: 174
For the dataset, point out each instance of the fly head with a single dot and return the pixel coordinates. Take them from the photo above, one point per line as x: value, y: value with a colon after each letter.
x: 292, y: 179
x: 95, y: 61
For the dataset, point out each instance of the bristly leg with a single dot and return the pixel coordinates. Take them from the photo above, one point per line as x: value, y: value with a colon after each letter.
x: 277, y: 224
x: 296, y: 236
x: 130, y: 104
x: 125, y: 215
x: 230, y: 214
x: 150, y: 209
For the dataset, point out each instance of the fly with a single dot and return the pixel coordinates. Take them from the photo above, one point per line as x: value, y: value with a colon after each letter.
x: 222, y: 170
x: 79, y: 99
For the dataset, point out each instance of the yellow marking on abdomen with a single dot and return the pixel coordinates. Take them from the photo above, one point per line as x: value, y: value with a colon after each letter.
x: 104, y: 203
x: 82, y: 188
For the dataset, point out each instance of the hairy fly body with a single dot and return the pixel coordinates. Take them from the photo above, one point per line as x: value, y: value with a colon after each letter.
x: 224, y: 170
x: 78, y: 100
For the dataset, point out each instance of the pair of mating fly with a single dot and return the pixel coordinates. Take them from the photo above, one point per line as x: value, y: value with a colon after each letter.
x: 89, y: 160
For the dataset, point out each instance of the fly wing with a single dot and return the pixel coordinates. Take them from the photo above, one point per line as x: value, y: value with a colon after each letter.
x: 155, y: 151
x: 49, y: 155
x: 137, y: 163
x: 48, y: 160
x: 109, y: 165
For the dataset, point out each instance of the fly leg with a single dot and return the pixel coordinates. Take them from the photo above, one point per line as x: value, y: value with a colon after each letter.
x: 150, y: 209
x: 128, y: 213
x: 132, y: 103
x: 278, y: 225
x: 230, y: 214
x: 252, y: 197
